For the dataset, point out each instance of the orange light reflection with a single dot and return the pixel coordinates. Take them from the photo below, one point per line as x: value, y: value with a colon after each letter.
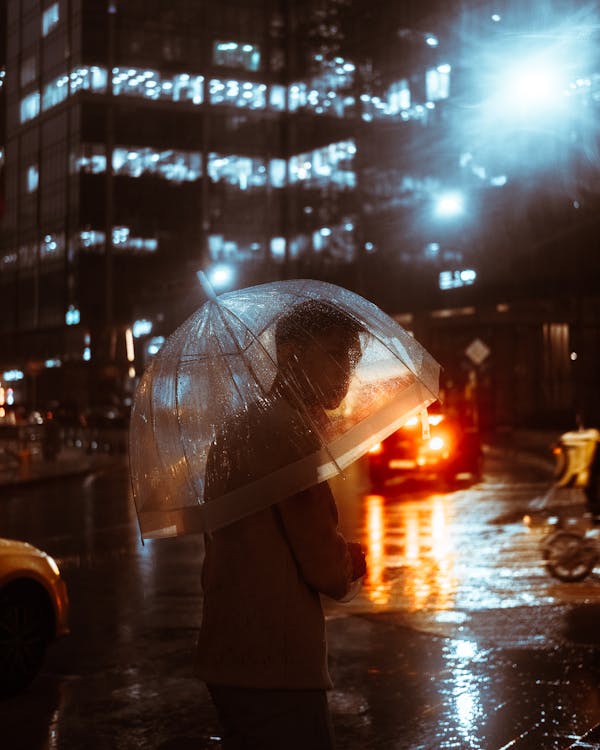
x: 418, y: 569
x: 377, y: 591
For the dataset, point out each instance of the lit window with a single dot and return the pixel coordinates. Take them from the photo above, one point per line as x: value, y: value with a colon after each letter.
x: 33, y: 178
x: 398, y: 97
x: 331, y: 164
x: 437, y: 83
x: 175, y: 166
x: 277, y: 172
x: 456, y: 279
x: 30, y: 106
x: 337, y: 240
x: 278, y: 248
x: 242, y: 171
x: 10, y: 259
x: 72, y: 316
x: 50, y: 19
x: 52, y: 246
x: 89, y: 78
x: 297, y: 96
x: 55, y: 92
x: 238, y: 93
x: 234, y: 55
x: 91, y: 239
x: 91, y: 159
x: 141, y: 327
x: 277, y: 97
x: 142, y: 82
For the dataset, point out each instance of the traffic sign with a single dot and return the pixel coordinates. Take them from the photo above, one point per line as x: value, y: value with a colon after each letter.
x: 477, y: 351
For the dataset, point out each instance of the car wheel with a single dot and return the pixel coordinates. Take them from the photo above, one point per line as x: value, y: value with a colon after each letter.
x: 25, y: 627
x: 569, y: 557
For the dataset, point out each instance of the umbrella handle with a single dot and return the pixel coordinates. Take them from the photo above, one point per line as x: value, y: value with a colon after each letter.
x: 207, y: 286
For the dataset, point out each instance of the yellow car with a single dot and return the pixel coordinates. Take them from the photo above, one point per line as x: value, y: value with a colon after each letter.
x: 34, y: 608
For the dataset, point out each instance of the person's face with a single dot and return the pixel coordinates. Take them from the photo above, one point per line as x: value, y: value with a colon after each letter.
x: 322, y: 368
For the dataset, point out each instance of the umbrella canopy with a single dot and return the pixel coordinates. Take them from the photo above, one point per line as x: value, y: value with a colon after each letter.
x: 252, y: 400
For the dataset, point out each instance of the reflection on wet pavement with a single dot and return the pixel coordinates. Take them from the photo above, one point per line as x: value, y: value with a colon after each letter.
x: 459, y: 638
x: 471, y: 644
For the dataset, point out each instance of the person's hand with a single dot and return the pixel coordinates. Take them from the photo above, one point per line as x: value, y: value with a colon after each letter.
x: 359, y: 563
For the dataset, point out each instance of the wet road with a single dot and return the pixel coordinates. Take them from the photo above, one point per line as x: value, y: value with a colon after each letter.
x: 459, y: 638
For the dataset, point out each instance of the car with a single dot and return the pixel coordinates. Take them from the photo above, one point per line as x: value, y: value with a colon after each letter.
x: 34, y: 612
x: 451, y: 452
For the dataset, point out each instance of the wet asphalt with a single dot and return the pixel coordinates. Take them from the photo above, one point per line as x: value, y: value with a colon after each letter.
x: 458, y: 639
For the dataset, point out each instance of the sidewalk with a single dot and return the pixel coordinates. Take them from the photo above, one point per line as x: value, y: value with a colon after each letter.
x: 70, y: 461
x: 531, y: 447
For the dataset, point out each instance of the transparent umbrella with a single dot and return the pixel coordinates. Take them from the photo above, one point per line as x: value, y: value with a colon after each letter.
x: 258, y: 396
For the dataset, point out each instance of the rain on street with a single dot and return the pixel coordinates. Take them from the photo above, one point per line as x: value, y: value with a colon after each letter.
x: 458, y: 639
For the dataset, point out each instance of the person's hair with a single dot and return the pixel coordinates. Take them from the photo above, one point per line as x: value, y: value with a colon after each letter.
x: 311, y: 318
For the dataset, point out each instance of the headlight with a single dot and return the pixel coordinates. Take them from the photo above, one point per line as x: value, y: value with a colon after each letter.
x: 436, y: 443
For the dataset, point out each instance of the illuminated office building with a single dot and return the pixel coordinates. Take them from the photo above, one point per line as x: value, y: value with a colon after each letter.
x: 263, y: 139
x: 145, y: 141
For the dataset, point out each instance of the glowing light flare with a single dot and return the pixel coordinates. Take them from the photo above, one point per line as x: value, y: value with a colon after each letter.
x: 436, y: 443
x: 220, y: 275
x: 527, y: 90
x: 533, y: 88
x: 449, y: 205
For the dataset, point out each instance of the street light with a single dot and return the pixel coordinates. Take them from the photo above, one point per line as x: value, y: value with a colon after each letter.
x: 532, y: 88
x: 449, y: 205
x: 219, y: 276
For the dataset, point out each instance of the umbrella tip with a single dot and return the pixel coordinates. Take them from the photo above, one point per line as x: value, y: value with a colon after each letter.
x: 207, y: 286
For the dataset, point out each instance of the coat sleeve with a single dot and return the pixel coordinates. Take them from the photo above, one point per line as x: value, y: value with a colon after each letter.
x: 310, y: 524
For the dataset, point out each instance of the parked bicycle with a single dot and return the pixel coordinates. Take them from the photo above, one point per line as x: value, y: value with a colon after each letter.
x: 571, y: 550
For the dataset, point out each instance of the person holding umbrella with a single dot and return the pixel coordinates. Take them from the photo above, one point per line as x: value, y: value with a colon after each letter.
x: 262, y: 646
x: 249, y: 407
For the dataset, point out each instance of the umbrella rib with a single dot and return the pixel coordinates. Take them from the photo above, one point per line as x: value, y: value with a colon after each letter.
x: 408, y: 364
x: 297, y: 395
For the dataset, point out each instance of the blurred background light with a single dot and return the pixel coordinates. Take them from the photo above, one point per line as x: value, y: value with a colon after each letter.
x: 220, y: 276
x: 449, y: 204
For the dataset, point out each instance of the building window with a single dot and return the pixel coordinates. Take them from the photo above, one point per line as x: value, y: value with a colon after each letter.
x: 90, y: 78
x: 90, y: 159
x: 242, y: 171
x: 175, y: 166
x: 238, y: 93
x: 52, y: 246
x: 50, y: 19
x: 234, y: 55
x: 151, y: 85
x: 331, y: 164
x: 28, y: 70
x: 92, y: 239
x: 437, y: 83
x: 55, y: 92
x: 8, y: 260
x: 30, y: 106
x: 33, y: 178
